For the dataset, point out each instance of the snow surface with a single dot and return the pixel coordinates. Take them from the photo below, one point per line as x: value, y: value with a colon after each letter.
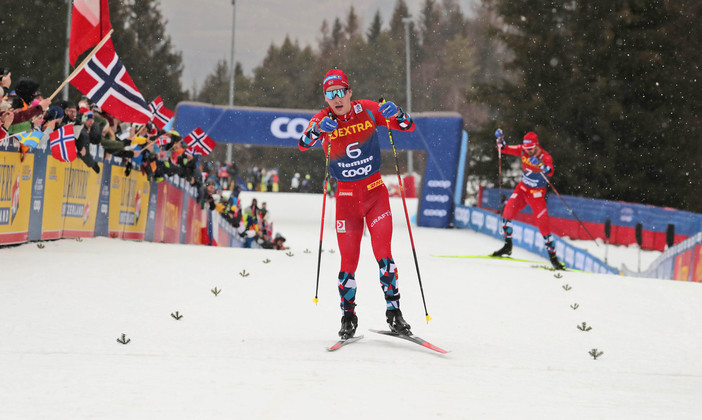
x: 257, y: 350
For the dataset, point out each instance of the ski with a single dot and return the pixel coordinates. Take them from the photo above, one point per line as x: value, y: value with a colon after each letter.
x: 341, y: 343
x: 488, y: 257
x: 413, y: 338
x: 551, y: 268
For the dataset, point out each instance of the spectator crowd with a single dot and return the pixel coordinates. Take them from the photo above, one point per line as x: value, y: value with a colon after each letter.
x: 156, y: 153
x: 253, y: 223
x: 142, y: 147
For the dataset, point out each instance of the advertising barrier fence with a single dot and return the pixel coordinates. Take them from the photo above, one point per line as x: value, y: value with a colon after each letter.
x: 681, y: 262
x: 528, y: 237
x: 42, y: 198
x: 659, y: 227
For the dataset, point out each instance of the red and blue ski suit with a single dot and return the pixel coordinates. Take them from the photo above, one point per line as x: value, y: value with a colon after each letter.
x: 361, y: 194
x: 531, y: 189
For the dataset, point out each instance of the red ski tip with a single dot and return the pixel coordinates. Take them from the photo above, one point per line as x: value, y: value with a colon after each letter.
x: 433, y: 347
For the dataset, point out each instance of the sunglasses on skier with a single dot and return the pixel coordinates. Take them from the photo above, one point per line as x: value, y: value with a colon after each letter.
x: 331, y: 94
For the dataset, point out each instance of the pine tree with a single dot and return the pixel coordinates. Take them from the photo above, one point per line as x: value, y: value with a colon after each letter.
x: 34, y: 41
x: 215, y: 89
x: 353, y: 27
x: 146, y: 51
x: 34, y: 45
x: 397, y: 27
x: 593, y: 81
x: 397, y: 43
x: 288, y: 77
x: 430, y: 54
x: 375, y: 28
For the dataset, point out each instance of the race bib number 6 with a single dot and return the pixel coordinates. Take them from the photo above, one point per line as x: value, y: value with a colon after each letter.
x: 353, y: 151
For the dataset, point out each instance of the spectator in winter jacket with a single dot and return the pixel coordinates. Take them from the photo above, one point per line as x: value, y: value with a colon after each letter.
x: 279, y: 242
x: 208, y: 200
x: 5, y: 82
x: 254, y: 209
x: 70, y: 112
x: 83, y: 142
x: 233, y: 174
x: 295, y: 183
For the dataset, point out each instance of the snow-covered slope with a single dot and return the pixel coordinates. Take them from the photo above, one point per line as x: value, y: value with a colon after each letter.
x: 257, y: 350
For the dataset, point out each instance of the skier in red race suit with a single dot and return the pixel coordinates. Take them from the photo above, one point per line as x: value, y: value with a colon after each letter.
x: 531, y: 190
x: 352, y: 129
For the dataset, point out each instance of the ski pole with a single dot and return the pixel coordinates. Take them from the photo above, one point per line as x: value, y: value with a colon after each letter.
x: 569, y: 209
x: 498, y: 134
x: 404, y: 204
x: 321, y: 229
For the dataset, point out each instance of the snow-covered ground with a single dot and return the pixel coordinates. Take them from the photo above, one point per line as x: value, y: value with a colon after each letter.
x: 257, y: 350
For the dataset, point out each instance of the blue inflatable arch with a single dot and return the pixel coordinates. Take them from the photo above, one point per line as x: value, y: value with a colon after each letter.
x: 437, y: 133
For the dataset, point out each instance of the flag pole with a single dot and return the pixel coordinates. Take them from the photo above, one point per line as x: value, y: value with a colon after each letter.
x: 82, y: 64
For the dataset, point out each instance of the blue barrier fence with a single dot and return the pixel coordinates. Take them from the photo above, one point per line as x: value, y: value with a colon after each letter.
x: 656, y: 222
x: 528, y: 237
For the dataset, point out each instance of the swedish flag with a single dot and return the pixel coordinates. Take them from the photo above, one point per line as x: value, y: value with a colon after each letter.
x: 30, y: 139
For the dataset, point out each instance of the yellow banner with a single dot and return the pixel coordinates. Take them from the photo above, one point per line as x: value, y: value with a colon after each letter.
x: 129, y: 204
x: 15, y: 196
x: 70, y: 199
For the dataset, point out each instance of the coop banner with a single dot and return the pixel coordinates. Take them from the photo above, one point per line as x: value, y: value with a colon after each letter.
x: 168, y: 213
x: 15, y: 195
x: 70, y: 199
x: 129, y: 201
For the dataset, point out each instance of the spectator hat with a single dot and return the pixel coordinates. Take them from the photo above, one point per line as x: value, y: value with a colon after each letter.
x: 530, y: 140
x: 26, y: 89
x: 335, y: 77
x: 54, y: 113
x: 87, y: 116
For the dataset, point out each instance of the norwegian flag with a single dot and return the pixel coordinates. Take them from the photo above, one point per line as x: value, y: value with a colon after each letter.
x: 199, y: 143
x: 3, y: 132
x: 163, y: 140
x: 63, y: 144
x: 90, y: 22
x: 106, y: 82
x: 161, y: 114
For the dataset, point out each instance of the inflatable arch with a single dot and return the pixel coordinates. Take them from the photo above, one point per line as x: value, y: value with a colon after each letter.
x: 437, y: 133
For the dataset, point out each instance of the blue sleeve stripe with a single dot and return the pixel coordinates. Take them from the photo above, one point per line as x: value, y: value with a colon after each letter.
x: 371, y: 115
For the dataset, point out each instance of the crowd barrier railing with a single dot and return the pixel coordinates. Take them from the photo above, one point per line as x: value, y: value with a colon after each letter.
x: 42, y: 198
x: 528, y: 237
x: 658, y: 227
